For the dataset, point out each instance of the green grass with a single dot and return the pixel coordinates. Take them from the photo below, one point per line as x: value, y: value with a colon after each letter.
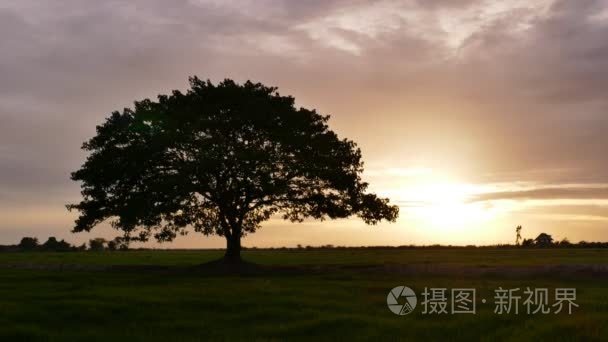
x: 345, y: 304
x: 469, y: 257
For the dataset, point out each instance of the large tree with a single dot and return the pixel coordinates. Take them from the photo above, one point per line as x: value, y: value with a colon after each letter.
x: 220, y: 159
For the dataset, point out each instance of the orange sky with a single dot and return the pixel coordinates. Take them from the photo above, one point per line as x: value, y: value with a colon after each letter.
x: 473, y: 116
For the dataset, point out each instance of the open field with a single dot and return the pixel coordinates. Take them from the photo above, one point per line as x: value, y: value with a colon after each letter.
x: 370, y: 256
x: 329, y: 294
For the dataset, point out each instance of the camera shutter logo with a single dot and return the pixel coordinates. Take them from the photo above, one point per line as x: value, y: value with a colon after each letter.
x: 401, y: 300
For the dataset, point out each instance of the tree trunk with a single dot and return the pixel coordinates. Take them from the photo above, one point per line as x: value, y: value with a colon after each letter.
x: 233, y: 248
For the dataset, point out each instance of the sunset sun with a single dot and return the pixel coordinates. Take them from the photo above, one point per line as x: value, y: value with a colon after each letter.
x: 446, y: 205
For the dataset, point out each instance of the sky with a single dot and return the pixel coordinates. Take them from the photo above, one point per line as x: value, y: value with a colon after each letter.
x: 474, y: 116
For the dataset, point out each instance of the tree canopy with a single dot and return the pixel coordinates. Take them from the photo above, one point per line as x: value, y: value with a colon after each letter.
x: 220, y: 159
x: 28, y: 244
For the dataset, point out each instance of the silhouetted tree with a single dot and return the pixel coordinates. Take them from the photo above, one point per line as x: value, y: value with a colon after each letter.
x: 565, y: 243
x: 112, y: 245
x: 97, y: 244
x: 543, y: 240
x: 117, y: 243
x: 28, y: 244
x: 58, y: 246
x: 527, y: 243
x: 220, y: 158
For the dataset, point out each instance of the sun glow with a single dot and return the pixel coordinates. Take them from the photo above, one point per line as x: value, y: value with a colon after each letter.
x: 438, y: 201
x: 446, y: 205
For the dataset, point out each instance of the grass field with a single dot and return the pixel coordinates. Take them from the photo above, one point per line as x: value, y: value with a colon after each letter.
x: 332, y: 294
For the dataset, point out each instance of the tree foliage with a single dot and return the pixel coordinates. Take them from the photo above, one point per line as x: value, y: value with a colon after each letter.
x: 28, y: 244
x: 543, y: 240
x: 97, y: 244
x: 221, y: 159
x: 52, y: 244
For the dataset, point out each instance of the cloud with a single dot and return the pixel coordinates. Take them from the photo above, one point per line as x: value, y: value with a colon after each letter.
x: 547, y: 193
x: 485, y: 91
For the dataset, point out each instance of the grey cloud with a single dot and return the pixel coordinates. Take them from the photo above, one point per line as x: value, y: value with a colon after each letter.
x: 548, y: 193
x: 595, y: 211
x: 562, y: 58
x: 501, y: 107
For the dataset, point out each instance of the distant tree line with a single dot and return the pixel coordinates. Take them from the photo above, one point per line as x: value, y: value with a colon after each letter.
x: 544, y: 240
x: 527, y: 243
x: 31, y: 244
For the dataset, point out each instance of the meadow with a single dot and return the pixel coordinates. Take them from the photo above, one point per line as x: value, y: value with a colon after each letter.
x: 296, y: 294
